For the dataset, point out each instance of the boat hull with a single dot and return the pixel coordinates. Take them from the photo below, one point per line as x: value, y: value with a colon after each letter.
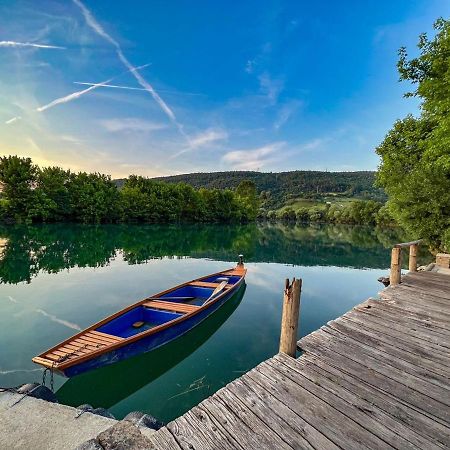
x: 153, y: 341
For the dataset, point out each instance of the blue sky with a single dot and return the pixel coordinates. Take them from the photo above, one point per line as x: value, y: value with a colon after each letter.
x: 251, y: 85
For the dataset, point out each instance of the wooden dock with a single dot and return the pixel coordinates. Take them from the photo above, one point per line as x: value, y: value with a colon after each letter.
x: 378, y: 377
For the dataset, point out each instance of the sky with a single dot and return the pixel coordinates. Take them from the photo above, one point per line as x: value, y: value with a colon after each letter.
x: 156, y: 88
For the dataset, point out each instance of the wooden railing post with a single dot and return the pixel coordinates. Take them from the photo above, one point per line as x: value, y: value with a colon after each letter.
x: 396, y: 266
x: 289, y: 319
x: 413, y: 257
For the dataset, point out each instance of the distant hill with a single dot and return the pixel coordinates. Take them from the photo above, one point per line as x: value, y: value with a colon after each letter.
x: 278, y: 188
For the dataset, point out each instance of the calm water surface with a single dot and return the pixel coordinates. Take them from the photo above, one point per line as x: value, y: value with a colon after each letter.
x: 58, y: 279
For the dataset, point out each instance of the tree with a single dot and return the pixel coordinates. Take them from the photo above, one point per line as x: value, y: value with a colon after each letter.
x: 415, y: 154
x: 248, y: 197
x: 18, y: 176
x: 53, y: 189
x: 93, y: 197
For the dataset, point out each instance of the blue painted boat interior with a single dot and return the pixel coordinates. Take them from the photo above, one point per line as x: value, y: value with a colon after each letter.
x: 122, y: 326
x: 198, y: 295
x: 232, y: 279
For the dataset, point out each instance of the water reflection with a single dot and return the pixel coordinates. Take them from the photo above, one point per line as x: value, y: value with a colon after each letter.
x: 130, y: 375
x: 28, y: 250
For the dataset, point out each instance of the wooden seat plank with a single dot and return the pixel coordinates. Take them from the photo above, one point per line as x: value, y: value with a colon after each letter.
x: 95, y: 340
x: 106, y: 336
x: 56, y: 353
x: 207, y: 284
x: 171, y: 306
x: 75, y: 351
x: 52, y: 357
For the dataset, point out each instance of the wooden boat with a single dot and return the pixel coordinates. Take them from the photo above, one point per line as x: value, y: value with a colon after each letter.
x: 145, y: 325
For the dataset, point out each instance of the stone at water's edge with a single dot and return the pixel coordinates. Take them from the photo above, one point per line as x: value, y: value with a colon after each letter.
x: 144, y: 420
x: 123, y: 435
x: 99, y: 411
x: 91, y: 444
x: 37, y: 390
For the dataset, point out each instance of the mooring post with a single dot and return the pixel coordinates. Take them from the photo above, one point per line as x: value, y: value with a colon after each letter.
x: 289, y: 318
x: 396, y: 266
x: 413, y: 257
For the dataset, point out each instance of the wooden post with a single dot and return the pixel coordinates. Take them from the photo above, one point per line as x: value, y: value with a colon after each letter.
x: 413, y: 258
x: 289, y: 319
x: 396, y: 266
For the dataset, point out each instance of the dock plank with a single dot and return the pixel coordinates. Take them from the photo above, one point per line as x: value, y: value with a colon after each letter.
x: 376, y: 377
x: 378, y: 380
x: 337, y: 427
x: 416, y: 355
x: 415, y: 422
x: 297, y: 433
x: 374, y: 419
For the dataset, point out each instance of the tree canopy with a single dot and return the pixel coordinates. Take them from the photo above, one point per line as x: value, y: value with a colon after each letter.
x: 415, y: 154
x: 52, y: 194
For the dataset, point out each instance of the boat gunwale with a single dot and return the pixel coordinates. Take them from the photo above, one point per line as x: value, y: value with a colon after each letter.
x: 82, y: 358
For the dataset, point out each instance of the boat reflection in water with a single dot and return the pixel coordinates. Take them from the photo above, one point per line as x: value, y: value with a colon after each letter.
x: 108, y: 385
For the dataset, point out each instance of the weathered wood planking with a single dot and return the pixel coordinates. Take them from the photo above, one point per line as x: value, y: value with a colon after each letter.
x: 377, y: 377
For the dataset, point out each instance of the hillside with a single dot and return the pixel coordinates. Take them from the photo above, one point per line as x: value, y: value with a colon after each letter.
x: 277, y: 189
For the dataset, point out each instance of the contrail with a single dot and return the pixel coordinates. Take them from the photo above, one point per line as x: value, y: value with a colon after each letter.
x: 71, y: 97
x: 74, y: 326
x: 138, y: 89
x: 13, y: 120
x: 92, y: 22
x: 28, y: 44
x: 77, y: 94
x: 6, y: 372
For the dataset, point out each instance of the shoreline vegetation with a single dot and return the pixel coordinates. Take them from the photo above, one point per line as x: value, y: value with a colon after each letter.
x: 355, y: 212
x: 31, y: 194
x: 52, y: 194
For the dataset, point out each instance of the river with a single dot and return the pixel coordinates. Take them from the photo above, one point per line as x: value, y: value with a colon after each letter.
x: 58, y: 279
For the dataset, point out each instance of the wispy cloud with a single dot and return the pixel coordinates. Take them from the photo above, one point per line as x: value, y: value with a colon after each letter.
x: 53, y: 318
x: 253, y: 159
x: 286, y: 112
x: 315, y: 144
x: 131, y: 124
x: 14, y: 119
x: 115, y: 86
x: 74, y: 95
x: 14, y: 44
x: 94, y: 25
x: 7, y: 372
x: 208, y: 137
x: 270, y: 87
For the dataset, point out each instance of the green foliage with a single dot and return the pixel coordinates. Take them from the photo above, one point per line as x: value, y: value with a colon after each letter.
x: 358, y: 212
x: 53, y: 194
x: 93, y: 197
x: 415, y: 154
x: 248, y: 198
x: 53, y: 183
x: 18, y: 176
x: 278, y: 189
